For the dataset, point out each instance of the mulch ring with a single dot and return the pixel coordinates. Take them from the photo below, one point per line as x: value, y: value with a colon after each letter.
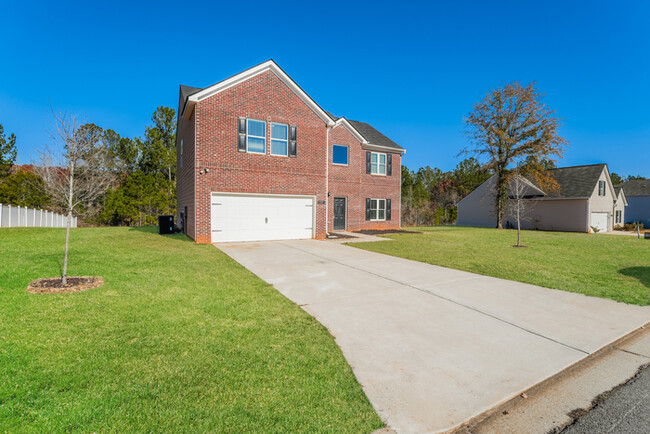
x: 386, y: 231
x: 53, y: 285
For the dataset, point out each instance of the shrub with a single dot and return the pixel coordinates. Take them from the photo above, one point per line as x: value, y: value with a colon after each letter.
x: 631, y: 226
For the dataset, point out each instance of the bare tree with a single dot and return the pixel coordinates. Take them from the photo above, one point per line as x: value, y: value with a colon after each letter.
x: 74, y: 171
x: 519, y: 192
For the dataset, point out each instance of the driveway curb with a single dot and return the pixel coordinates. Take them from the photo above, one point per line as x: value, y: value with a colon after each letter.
x: 548, y: 385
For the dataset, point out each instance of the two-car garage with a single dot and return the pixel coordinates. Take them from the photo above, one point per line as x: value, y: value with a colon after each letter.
x: 257, y: 217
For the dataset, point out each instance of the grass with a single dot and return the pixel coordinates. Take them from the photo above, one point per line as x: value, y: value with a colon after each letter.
x: 180, y: 338
x: 608, y: 266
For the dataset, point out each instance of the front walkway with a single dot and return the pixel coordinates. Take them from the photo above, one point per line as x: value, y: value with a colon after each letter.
x: 433, y: 347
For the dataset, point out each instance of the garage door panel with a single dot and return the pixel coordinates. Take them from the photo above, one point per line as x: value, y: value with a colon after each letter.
x: 257, y: 218
x: 599, y: 220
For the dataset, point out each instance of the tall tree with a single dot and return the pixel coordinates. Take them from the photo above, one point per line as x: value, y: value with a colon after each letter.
x: 7, y: 152
x: 74, y: 171
x: 159, y: 148
x: 616, y: 178
x: 512, y: 123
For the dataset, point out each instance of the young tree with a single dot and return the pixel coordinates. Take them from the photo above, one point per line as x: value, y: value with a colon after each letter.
x: 518, y: 191
x: 512, y: 123
x: 7, y: 152
x: 74, y: 172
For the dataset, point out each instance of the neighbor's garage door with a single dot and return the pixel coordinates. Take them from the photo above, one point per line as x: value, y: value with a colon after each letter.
x: 256, y: 218
x: 599, y: 220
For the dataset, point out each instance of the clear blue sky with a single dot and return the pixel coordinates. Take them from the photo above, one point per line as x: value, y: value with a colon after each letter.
x: 413, y: 70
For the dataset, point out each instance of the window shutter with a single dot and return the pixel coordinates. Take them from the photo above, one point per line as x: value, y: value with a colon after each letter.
x: 368, y: 164
x: 389, y: 165
x: 241, y: 136
x: 388, y: 208
x: 293, y: 140
x: 367, y: 208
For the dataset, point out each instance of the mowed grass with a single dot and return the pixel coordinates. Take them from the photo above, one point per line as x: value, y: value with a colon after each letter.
x: 601, y: 265
x: 179, y: 339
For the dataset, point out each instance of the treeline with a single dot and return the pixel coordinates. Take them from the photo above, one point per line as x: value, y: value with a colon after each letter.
x: 143, y: 171
x: 429, y: 196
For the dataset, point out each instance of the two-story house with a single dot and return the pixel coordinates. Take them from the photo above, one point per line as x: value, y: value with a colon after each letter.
x: 258, y: 159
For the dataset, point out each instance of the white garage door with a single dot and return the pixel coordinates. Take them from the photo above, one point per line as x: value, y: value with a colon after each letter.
x: 257, y: 218
x: 599, y: 220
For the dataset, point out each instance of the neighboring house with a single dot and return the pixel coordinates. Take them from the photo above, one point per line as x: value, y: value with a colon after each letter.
x: 637, y: 193
x: 586, y: 199
x: 620, y: 204
x: 258, y: 159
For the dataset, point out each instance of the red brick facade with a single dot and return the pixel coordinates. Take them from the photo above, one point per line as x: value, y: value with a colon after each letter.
x: 218, y: 166
x: 355, y: 185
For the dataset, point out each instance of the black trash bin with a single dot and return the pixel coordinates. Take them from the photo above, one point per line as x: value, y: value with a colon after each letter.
x: 165, y: 224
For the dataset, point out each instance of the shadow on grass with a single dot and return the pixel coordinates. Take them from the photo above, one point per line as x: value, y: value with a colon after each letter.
x: 640, y: 273
x: 154, y: 231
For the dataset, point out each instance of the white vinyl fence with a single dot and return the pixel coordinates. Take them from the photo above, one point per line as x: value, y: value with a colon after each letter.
x: 17, y: 216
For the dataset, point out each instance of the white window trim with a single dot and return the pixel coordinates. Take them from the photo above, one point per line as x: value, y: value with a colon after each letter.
x: 377, y: 209
x: 257, y: 137
x: 378, y: 154
x: 280, y: 140
x: 347, y: 149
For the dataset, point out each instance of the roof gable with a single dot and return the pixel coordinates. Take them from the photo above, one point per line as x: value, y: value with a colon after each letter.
x: 577, y: 181
x: 269, y: 65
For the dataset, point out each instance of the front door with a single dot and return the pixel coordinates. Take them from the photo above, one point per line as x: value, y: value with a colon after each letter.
x: 339, y: 213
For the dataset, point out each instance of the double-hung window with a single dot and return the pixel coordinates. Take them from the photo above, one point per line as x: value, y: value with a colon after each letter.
x: 340, y: 155
x: 618, y: 217
x: 377, y: 163
x: 601, y: 188
x: 377, y: 209
x: 279, y: 139
x: 256, y: 136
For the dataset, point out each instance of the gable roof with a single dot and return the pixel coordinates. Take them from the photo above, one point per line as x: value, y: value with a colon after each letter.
x: 367, y: 134
x: 269, y: 65
x: 576, y: 181
x: 638, y: 187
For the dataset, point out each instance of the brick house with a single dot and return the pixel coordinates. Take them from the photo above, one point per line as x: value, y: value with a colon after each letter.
x: 258, y: 159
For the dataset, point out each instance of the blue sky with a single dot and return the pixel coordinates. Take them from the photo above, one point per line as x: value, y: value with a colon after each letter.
x: 411, y: 69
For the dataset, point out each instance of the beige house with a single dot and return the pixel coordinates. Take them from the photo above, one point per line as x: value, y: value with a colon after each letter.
x: 586, y: 200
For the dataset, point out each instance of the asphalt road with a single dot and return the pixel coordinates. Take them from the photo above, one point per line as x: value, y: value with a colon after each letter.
x: 625, y: 410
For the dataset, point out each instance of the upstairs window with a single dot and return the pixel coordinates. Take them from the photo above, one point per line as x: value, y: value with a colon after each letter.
x: 377, y: 163
x: 340, y: 155
x: 256, y: 136
x: 601, y: 188
x: 279, y: 139
x: 181, y: 152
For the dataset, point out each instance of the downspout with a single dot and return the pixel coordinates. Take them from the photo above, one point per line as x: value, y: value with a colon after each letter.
x: 196, y: 142
x: 327, y: 180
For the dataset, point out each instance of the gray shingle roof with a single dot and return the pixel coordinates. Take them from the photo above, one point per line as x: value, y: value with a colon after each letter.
x: 187, y: 91
x: 639, y: 187
x: 373, y: 136
x: 577, y: 181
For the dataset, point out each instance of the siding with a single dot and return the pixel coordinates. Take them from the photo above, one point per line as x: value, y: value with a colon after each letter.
x: 638, y: 210
x: 603, y: 203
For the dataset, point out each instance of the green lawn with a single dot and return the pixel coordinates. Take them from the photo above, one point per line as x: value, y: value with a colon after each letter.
x: 180, y: 338
x: 609, y: 266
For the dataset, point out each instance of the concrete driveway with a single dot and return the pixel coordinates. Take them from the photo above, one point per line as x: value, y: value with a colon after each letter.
x: 433, y: 347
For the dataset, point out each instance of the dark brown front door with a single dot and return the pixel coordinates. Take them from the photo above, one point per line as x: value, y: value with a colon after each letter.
x: 339, y: 213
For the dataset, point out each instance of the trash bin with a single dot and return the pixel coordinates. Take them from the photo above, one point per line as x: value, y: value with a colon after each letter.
x: 165, y: 224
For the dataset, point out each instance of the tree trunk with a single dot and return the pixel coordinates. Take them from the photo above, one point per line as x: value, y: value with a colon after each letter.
x: 64, y: 277
x: 518, y: 225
